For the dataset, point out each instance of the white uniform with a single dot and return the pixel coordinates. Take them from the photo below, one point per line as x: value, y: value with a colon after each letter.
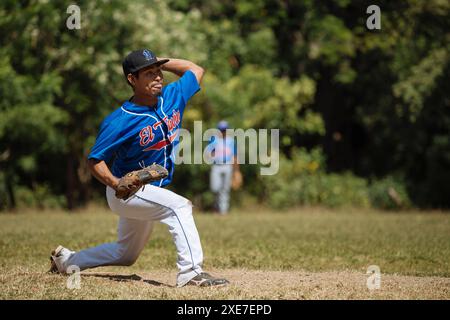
x: 223, y: 150
x: 220, y: 184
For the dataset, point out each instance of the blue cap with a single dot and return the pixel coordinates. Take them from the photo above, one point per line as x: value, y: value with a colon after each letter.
x: 222, y: 125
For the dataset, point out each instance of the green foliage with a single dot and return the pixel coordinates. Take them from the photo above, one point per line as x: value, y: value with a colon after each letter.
x: 389, y: 194
x: 302, y: 180
x: 332, y: 40
x: 375, y: 102
x: 263, y: 38
x: 41, y: 196
x: 420, y: 82
x: 282, y: 103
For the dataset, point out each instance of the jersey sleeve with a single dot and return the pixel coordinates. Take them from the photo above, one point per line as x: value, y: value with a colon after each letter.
x: 109, y: 140
x: 188, y: 85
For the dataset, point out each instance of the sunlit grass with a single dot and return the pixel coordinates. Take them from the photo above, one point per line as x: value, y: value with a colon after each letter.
x: 312, y: 240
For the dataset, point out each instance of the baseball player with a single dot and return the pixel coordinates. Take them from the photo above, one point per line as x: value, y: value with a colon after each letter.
x: 142, y: 132
x: 225, y: 167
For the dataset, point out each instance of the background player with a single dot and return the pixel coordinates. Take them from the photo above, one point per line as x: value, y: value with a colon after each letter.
x: 225, y: 167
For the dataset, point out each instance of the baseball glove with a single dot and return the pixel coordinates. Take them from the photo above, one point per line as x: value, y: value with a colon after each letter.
x: 236, y: 180
x: 130, y: 183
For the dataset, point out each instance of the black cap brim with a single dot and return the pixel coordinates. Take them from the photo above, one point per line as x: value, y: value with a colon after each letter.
x: 157, y: 64
x: 162, y: 61
x: 151, y: 64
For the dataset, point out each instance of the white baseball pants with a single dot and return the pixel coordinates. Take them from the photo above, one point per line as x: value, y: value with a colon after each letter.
x: 220, y: 184
x: 137, y: 216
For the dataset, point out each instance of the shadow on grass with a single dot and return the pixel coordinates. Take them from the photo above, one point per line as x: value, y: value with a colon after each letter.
x: 126, y: 278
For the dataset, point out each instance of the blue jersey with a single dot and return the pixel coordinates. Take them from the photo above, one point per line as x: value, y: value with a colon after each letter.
x: 222, y: 150
x: 136, y: 136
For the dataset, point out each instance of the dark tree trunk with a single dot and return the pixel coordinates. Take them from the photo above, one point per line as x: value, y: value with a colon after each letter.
x: 339, y: 140
x: 71, y: 183
x: 84, y: 180
x: 11, y: 196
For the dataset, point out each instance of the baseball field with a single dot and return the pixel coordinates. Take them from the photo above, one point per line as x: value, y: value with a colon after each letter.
x: 306, y: 253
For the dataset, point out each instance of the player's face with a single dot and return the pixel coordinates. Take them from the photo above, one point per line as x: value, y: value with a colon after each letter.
x: 149, y: 82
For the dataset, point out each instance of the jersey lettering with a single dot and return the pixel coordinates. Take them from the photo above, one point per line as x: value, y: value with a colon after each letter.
x: 174, y: 121
x: 146, y: 135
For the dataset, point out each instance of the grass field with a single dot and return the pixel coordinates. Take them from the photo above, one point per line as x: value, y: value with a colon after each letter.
x: 305, y: 253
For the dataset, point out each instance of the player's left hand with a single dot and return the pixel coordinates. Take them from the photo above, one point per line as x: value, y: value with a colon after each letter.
x: 237, y: 180
x: 130, y: 183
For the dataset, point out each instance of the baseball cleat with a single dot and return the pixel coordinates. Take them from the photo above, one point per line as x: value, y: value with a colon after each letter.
x: 206, y: 280
x: 57, y: 259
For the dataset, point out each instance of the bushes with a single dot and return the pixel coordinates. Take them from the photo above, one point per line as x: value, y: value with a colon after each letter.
x: 331, y: 190
x: 302, y: 180
x: 389, y: 194
x: 41, y: 197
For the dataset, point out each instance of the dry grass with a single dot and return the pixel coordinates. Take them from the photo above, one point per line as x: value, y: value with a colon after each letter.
x: 245, y: 284
x: 301, y: 254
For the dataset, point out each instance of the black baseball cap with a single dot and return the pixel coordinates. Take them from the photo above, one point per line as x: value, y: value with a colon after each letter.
x: 139, y: 59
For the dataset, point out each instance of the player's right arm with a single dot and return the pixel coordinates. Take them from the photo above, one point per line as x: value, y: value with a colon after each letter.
x: 101, y: 172
x: 112, y: 134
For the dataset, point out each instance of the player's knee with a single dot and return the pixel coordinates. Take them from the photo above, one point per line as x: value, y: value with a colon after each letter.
x: 186, y: 208
x: 125, y: 257
x: 128, y: 261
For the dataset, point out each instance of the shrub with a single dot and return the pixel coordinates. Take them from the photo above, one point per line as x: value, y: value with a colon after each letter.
x: 41, y: 197
x: 389, y: 194
x: 302, y: 180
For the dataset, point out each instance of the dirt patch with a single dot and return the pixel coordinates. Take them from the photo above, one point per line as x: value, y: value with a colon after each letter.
x: 251, y: 284
x: 116, y: 283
